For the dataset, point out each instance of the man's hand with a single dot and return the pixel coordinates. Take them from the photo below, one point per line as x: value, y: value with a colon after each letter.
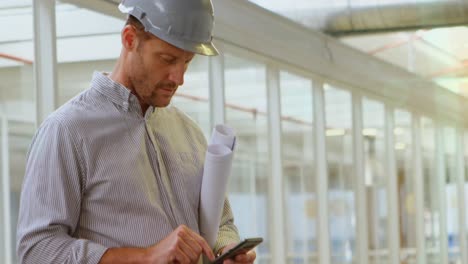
x: 247, y: 258
x: 182, y: 246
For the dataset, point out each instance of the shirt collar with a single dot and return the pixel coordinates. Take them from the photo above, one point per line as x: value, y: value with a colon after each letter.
x: 116, y: 92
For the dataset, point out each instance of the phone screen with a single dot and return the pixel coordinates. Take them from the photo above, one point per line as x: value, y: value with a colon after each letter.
x: 243, y: 247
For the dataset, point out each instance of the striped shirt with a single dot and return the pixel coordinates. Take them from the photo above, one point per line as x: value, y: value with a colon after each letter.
x: 101, y: 174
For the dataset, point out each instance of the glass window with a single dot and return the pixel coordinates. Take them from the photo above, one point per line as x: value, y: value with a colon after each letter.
x: 431, y: 208
x: 451, y: 194
x: 465, y: 151
x: 341, y: 196
x: 246, y: 109
x: 2, y: 205
x: 99, y: 33
x: 17, y: 114
x: 298, y: 168
x: 375, y: 179
x: 405, y: 185
x: 193, y: 96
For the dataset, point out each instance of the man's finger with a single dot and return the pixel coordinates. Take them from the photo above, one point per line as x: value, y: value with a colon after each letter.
x: 181, y: 257
x: 245, y: 258
x: 188, y: 249
x: 242, y: 258
x: 204, y: 245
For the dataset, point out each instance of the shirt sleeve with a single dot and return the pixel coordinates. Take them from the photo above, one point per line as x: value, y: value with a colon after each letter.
x: 228, y: 232
x: 51, y: 200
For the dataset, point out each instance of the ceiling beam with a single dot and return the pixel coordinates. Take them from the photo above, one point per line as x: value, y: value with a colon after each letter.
x: 106, y: 7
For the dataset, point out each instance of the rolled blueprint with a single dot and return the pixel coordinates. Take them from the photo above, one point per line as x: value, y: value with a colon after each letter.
x: 223, y: 135
x: 217, y: 168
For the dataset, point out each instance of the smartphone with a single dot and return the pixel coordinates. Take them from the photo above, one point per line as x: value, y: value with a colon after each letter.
x: 243, y: 247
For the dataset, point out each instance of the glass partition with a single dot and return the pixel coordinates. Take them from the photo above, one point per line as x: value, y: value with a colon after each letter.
x: 465, y: 170
x: 431, y: 204
x: 17, y: 114
x: 376, y: 179
x: 3, y: 226
x: 193, y: 97
x: 246, y: 106
x: 341, y: 195
x: 405, y: 186
x: 299, y: 168
x: 451, y: 194
x: 91, y: 45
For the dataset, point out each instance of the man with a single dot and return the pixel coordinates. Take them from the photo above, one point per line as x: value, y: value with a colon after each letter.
x: 114, y: 175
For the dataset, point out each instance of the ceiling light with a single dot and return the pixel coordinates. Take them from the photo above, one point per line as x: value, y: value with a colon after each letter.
x: 400, y: 146
x: 335, y: 132
x: 370, y: 132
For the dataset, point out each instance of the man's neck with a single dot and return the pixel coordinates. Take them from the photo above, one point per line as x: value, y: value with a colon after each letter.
x: 117, y: 75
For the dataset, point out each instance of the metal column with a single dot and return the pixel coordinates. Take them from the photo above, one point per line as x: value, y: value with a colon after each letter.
x: 6, y: 191
x: 392, y: 187
x: 362, y: 235
x: 419, y: 190
x: 441, y: 193
x: 277, y: 213
x: 45, y: 59
x: 460, y: 171
x: 321, y: 174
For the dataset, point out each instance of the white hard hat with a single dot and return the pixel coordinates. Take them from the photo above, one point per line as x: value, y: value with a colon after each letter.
x: 186, y: 24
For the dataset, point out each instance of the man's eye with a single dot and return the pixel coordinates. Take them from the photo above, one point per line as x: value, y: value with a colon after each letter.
x: 168, y: 59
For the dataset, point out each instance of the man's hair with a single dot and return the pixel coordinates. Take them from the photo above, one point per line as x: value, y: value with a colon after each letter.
x: 141, y: 32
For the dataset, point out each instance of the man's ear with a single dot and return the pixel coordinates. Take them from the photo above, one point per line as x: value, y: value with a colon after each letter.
x: 129, y: 37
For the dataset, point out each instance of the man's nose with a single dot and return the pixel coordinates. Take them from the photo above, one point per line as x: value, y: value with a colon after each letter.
x: 177, y: 74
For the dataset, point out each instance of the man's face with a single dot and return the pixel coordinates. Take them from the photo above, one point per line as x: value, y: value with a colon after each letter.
x: 155, y: 71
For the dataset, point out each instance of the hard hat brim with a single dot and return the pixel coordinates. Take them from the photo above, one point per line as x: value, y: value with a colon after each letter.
x: 206, y: 49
